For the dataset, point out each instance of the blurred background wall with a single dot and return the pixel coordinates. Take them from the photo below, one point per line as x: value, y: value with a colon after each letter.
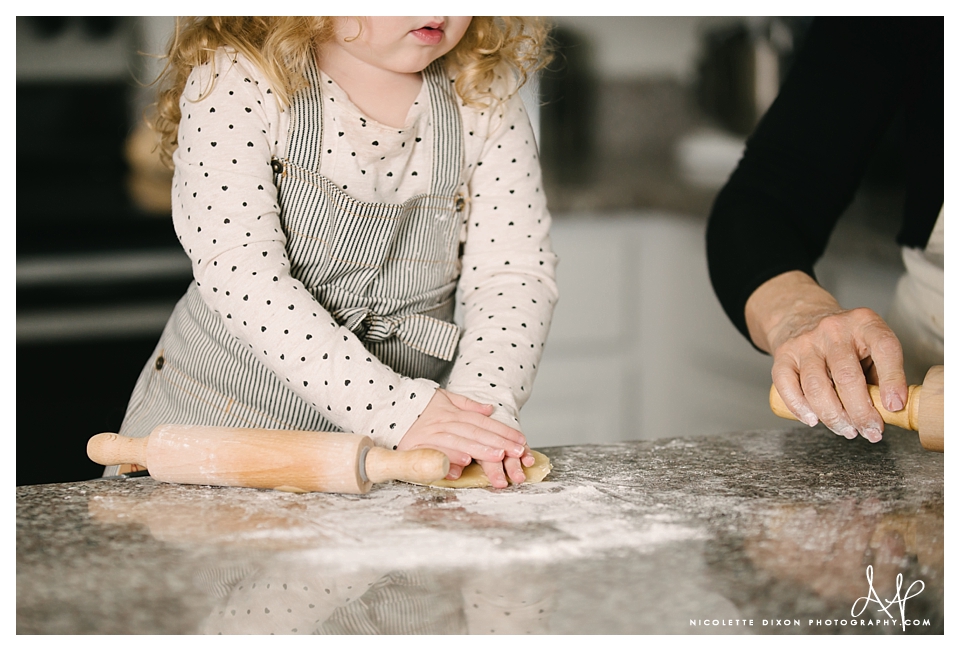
x: 640, y: 122
x: 99, y: 268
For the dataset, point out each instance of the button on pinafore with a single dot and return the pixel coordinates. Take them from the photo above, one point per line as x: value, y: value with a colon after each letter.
x: 388, y: 272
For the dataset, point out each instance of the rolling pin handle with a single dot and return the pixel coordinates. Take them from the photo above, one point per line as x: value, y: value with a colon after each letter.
x: 109, y: 449
x: 420, y: 466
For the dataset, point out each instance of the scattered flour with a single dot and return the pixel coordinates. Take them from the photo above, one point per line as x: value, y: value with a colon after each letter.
x: 399, y: 526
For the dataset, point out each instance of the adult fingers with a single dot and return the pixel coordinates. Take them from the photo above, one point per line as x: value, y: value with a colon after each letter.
x: 801, y: 376
x: 851, y: 387
x: 786, y: 379
x: 852, y: 338
x: 830, y: 361
x: 838, y: 338
x: 886, y: 354
x: 819, y: 391
x: 832, y: 378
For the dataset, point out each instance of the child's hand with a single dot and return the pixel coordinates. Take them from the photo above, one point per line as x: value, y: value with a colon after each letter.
x: 462, y: 429
x: 511, y: 466
x: 514, y: 466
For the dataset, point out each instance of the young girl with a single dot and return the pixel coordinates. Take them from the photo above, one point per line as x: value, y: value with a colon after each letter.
x: 338, y: 184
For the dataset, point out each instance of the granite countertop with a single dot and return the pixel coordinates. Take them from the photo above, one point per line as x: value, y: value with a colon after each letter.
x: 750, y: 532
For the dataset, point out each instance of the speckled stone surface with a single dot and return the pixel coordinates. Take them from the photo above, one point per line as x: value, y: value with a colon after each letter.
x: 752, y: 532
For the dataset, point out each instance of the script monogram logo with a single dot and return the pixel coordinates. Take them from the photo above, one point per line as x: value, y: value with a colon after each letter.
x: 884, y: 604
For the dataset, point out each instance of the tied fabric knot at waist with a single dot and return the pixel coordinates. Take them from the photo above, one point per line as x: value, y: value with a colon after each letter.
x: 423, y: 333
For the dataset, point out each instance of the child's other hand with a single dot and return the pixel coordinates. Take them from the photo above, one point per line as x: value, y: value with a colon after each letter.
x: 462, y: 429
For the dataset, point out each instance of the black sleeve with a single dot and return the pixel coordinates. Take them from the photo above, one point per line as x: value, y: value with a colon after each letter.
x: 803, y: 163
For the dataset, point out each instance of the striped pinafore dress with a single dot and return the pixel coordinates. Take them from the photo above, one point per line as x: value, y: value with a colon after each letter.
x: 388, y: 272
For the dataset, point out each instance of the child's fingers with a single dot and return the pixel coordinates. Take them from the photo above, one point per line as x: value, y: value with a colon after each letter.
x: 494, y: 472
x: 487, y: 424
x: 473, y: 448
x: 479, y: 414
x: 528, y: 459
x: 455, y: 472
x: 458, y: 458
x: 478, y: 436
x: 460, y: 450
x: 514, y: 470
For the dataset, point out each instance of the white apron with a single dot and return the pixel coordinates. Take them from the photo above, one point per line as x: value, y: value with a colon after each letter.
x: 916, y: 314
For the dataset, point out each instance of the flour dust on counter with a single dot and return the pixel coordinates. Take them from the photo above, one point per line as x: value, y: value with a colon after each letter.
x: 642, y: 537
x: 545, y: 522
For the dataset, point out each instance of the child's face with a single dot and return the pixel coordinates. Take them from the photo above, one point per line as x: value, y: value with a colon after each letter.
x: 405, y: 44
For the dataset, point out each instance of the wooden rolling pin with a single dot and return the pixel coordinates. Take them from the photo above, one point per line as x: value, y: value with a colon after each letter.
x: 923, y: 412
x: 285, y: 460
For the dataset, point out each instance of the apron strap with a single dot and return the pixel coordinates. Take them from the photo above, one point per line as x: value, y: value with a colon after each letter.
x: 305, y: 132
x: 447, y: 130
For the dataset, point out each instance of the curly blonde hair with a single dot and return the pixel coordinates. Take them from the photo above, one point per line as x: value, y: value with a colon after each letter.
x: 283, y: 46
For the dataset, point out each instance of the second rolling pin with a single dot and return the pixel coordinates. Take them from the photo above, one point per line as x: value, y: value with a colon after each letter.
x: 289, y: 460
x: 923, y: 412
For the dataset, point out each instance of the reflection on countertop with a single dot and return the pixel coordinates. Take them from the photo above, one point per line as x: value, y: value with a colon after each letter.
x: 762, y: 532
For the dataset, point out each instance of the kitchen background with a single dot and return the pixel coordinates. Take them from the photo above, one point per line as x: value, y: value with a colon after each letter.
x: 640, y: 122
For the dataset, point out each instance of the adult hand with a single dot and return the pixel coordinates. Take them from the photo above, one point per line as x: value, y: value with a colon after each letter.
x: 462, y: 429
x: 824, y: 356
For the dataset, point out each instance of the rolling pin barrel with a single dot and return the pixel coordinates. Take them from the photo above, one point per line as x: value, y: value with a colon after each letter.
x: 297, y: 461
x: 931, y: 410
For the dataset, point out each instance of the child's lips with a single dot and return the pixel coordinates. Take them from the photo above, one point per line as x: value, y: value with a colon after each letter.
x: 431, y: 33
